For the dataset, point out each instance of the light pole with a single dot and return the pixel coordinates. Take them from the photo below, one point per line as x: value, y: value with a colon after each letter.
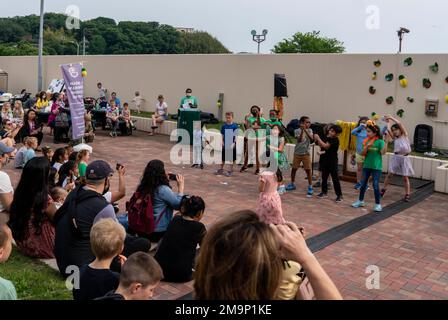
x: 77, y: 46
x: 259, y: 38
x: 41, y: 47
x: 401, y: 33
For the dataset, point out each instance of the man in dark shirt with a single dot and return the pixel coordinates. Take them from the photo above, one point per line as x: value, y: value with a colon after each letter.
x: 83, y: 207
x: 329, y: 161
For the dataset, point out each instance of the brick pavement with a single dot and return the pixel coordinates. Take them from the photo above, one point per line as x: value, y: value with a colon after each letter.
x: 408, y: 247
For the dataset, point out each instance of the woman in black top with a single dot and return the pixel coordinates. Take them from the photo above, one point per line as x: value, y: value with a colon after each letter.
x: 177, y: 250
x: 31, y: 127
x: 329, y: 161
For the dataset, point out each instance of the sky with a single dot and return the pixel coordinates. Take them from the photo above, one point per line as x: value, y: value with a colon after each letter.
x: 365, y: 26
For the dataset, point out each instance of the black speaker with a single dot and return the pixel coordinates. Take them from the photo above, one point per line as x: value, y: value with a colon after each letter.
x: 280, y: 87
x: 423, y: 138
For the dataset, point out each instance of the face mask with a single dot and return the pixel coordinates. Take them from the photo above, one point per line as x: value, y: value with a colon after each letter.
x: 254, y: 113
x: 188, y: 95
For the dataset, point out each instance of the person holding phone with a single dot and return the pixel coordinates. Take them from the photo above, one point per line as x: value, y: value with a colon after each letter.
x: 31, y: 127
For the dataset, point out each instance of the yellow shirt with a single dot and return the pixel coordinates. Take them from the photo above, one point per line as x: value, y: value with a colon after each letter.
x: 41, y: 104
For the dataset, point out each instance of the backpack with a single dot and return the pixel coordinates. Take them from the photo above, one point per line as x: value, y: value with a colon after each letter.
x: 141, y: 214
x: 61, y: 120
x: 292, y: 126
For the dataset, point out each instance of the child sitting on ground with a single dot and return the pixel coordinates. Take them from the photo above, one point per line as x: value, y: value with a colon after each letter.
x: 96, y: 279
x: 140, y: 276
x: 269, y: 204
x: 81, y: 159
x: 7, y: 290
x: 48, y: 152
x: 26, y: 152
x: 89, y: 135
x: 58, y: 194
x: 177, y: 250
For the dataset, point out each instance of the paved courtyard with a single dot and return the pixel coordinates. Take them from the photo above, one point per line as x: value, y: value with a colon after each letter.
x: 409, y: 248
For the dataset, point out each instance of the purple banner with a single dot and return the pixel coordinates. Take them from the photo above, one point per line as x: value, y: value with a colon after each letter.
x: 74, y: 83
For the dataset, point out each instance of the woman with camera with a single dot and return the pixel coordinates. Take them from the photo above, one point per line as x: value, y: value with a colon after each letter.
x: 155, y: 188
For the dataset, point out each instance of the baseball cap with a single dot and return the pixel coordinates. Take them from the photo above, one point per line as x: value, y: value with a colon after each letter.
x: 5, y: 149
x: 98, y: 170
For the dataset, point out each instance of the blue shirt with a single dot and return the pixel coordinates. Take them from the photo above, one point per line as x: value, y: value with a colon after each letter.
x: 229, y: 132
x: 165, y: 200
x: 361, y: 134
x: 28, y: 155
x: 117, y: 102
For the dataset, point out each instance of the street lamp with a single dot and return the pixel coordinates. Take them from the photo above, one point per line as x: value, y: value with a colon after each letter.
x: 259, y: 38
x: 41, y: 47
x: 401, y: 33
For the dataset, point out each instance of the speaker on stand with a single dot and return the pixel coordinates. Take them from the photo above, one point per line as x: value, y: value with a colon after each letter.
x: 280, y: 87
x: 423, y: 136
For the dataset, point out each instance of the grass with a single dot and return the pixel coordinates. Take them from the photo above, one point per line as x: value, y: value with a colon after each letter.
x: 33, y: 279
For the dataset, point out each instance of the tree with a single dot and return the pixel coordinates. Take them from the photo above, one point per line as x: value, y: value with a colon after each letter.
x: 310, y: 42
x: 200, y: 42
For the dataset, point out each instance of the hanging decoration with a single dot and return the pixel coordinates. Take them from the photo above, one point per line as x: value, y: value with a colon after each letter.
x: 408, y: 62
x: 446, y: 79
x: 375, y: 116
x: 346, y: 141
x: 400, y: 113
x: 403, y: 81
x: 84, y: 72
x: 377, y: 63
x: 390, y: 100
x: 434, y: 68
x: 426, y: 83
x: 372, y: 90
x: 411, y: 100
x: 446, y: 98
x: 389, y: 77
x: 374, y: 75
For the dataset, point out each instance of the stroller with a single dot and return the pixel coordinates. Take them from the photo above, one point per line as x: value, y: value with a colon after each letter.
x: 61, y: 128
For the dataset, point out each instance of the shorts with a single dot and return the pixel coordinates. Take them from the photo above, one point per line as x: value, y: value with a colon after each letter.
x: 227, y: 153
x: 359, y: 158
x: 305, y: 159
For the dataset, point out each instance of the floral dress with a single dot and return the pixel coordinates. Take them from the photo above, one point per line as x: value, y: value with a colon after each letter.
x: 269, y: 207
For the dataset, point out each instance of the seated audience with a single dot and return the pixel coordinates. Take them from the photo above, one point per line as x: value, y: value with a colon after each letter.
x: 6, y: 111
x: 81, y: 159
x: 48, y: 153
x: 31, y: 128
x: 59, y: 158
x: 241, y: 259
x: 42, y: 101
x: 160, y: 115
x: 7, y: 289
x: 74, y: 222
x: 140, y: 276
x: 96, y: 279
x: 9, y: 132
x: 18, y: 113
x: 68, y: 174
x: 25, y: 153
x: 155, y: 184
x: 89, y: 134
x: 112, y: 118
x: 177, y: 249
x: 31, y: 221
x: 58, y: 195
x: 6, y: 189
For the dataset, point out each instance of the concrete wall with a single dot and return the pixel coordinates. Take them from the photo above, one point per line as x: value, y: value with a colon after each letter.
x: 325, y: 87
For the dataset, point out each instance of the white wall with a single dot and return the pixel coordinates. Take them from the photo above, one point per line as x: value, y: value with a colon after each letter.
x: 324, y: 87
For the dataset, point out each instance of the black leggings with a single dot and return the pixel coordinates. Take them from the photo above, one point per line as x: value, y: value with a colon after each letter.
x: 327, y: 170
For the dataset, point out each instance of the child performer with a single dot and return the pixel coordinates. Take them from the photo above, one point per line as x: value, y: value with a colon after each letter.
x: 269, y: 204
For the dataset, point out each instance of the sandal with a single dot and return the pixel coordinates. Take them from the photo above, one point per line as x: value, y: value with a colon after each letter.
x: 383, y: 191
x: 407, y: 198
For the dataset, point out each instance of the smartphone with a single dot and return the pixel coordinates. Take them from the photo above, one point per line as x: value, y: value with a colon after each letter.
x: 119, y: 166
x: 172, y: 176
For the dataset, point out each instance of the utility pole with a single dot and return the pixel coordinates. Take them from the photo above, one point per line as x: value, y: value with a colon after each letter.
x: 41, y: 47
x: 84, y: 42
